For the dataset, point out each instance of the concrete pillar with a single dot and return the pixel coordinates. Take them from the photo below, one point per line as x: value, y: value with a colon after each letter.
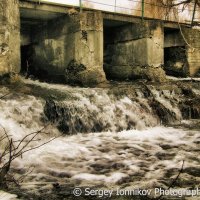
x: 85, y: 63
x: 70, y: 46
x: 192, y: 49
x: 9, y: 37
x: 137, y: 52
x: 155, y: 44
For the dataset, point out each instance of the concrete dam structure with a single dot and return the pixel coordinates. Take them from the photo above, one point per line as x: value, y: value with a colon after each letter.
x: 88, y: 47
x: 97, y: 104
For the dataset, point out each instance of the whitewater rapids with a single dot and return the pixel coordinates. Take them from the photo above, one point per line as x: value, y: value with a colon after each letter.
x: 145, y: 155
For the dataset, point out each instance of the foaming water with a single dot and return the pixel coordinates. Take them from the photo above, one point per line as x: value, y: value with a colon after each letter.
x: 144, y: 159
x: 7, y: 196
x: 117, y: 141
x: 100, y: 113
x: 165, y: 98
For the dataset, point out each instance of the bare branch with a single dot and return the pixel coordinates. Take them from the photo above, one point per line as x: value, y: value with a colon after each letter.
x: 174, y: 181
x: 172, y: 4
x: 15, y: 152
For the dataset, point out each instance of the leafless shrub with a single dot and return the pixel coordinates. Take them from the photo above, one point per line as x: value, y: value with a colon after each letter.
x: 12, y: 149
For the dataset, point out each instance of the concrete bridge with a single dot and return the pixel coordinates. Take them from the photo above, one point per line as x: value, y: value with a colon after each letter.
x: 58, y: 42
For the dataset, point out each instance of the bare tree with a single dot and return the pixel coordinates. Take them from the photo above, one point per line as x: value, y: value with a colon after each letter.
x: 14, y: 149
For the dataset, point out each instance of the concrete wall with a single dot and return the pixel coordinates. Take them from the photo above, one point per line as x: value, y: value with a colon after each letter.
x: 173, y: 38
x: 135, y: 47
x: 88, y: 50
x: 72, y: 47
x: 132, y: 41
x: 153, y: 9
x: 9, y: 37
x: 48, y: 47
x: 182, y: 52
x: 192, y: 49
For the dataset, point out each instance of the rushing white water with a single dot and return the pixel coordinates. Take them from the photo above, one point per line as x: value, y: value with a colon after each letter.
x: 145, y: 157
x: 7, y: 196
x: 183, y: 79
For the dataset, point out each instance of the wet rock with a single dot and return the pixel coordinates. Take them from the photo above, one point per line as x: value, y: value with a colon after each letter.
x: 127, y: 72
x: 165, y: 155
x: 77, y: 73
x: 167, y: 104
x: 68, y: 119
x: 190, y: 107
x: 165, y: 115
x: 74, y: 67
x: 167, y: 146
x: 193, y: 171
x: 155, y: 74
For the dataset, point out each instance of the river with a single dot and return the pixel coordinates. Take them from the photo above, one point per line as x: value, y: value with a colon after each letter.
x: 129, y: 137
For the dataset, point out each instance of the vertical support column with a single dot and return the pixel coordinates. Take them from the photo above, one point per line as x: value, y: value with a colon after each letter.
x: 9, y: 37
x: 137, y: 52
x: 192, y: 49
x: 86, y: 58
x: 155, y: 44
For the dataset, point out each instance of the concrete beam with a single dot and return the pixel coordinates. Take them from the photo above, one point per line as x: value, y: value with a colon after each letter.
x: 174, y: 25
x: 173, y: 39
x: 43, y: 7
x: 134, y: 19
x: 57, y: 8
x: 171, y: 25
x: 120, y: 17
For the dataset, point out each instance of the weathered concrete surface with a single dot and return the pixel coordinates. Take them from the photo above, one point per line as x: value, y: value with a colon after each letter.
x: 134, y: 46
x: 9, y: 37
x: 48, y: 48
x: 88, y: 50
x: 71, y: 47
x: 173, y: 38
x: 135, y: 72
x: 182, y: 52
x: 154, y: 9
x: 192, y: 49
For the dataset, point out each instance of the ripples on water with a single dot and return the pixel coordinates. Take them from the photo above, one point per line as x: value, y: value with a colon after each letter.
x: 146, y: 156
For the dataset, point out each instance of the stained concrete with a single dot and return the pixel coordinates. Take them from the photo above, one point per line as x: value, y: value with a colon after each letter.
x: 173, y: 38
x: 182, y: 54
x: 192, y: 49
x: 69, y: 48
x: 88, y: 49
x: 74, y: 47
x: 9, y: 37
x: 135, y: 46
